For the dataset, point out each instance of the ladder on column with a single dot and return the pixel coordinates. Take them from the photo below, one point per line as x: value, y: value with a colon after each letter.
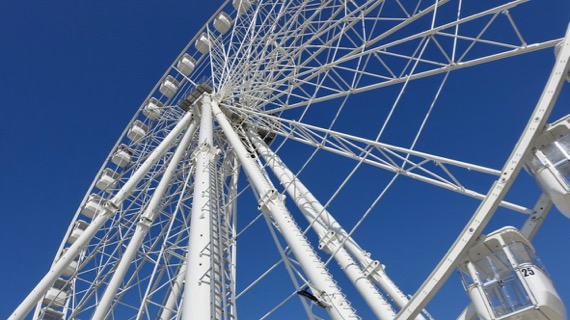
x: 220, y: 272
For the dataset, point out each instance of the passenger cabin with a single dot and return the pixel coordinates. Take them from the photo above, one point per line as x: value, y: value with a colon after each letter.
x: 186, y: 64
x: 549, y: 163
x: 223, y: 22
x: 506, y: 280
x: 169, y: 86
x: 78, y: 229
x: 51, y: 314
x: 241, y: 5
x: 122, y: 156
x: 153, y: 109
x: 56, y: 296
x: 70, y: 269
x: 107, y: 180
x: 203, y: 43
x: 93, y: 206
x: 137, y: 131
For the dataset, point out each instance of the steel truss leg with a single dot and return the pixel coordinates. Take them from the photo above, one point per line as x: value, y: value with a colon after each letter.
x: 273, y: 205
x: 110, y: 209
x: 232, y: 200
x: 197, y: 301
x: 146, y: 220
x: 334, y: 239
x: 175, y: 292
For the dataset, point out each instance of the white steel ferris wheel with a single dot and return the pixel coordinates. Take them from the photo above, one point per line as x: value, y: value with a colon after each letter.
x: 259, y: 176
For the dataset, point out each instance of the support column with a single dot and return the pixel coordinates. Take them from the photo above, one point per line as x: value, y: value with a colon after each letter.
x: 372, y: 268
x: 233, y: 193
x: 175, y: 292
x: 146, y: 220
x: 110, y: 209
x: 322, y: 222
x: 198, y: 301
x: 324, y: 287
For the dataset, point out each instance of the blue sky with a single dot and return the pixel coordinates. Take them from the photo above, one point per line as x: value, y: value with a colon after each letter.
x: 73, y: 73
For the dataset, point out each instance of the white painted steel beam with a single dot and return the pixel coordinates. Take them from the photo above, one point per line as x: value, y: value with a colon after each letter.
x: 145, y: 222
x: 322, y: 222
x: 175, y: 292
x: 233, y: 193
x: 110, y: 209
x: 272, y: 204
x: 420, y: 75
x: 315, y: 211
x: 348, y: 146
x: 358, y: 53
x: 499, y: 189
x: 330, y: 42
x: 540, y: 211
x: 197, y: 302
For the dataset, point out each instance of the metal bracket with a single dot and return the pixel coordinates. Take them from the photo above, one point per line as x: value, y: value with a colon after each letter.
x: 372, y: 268
x: 272, y: 196
x: 110, y: 208
x: 326, y: 240
x: 319, y: 302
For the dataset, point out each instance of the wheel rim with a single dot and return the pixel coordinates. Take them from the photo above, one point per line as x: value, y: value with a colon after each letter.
x: 297, y: 154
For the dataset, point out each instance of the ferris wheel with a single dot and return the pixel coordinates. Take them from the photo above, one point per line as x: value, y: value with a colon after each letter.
x: 267, y: 173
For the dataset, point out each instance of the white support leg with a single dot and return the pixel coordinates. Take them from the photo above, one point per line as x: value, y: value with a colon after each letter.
x: 197, y: 302
x: 373, y: 268
x: 272, y: 204
x: 110, y: 209
x: 175, y: 292
x: 233, y: 192
x: 146, y: 220
x: 321, y: 222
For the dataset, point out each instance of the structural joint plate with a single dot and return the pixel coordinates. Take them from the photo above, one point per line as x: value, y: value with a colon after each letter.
x: 207, y: 149
x: 328, y: 242
x: 110, y: 208
x: 372, y: 268
x: 271, y: 196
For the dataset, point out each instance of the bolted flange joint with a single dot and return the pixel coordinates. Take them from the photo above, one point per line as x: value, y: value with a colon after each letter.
x: 328, y: 242
x: 271, y: 196
x: 110, y: 208
x: 372, y: 268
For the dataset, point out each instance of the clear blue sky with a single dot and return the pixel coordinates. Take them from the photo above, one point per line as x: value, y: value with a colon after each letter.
x: 73, y: 73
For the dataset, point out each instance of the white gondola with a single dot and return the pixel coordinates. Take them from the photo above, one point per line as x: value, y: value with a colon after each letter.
x: 107, y: 180
x: 122, y: 156
x: 56, y: 296
x: 241, y: 5
x: 223, y: 22
x: 203, y: 43
x: 186, y: 64
x: 137, y: 131
x: 549, y: 163
x: 70, y: 269
x: 506, y: 280
x: 51, y: 314
x: 77, y: 230
x: 93, y: 206
x: 169, y: 86
x: 153, y: 109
